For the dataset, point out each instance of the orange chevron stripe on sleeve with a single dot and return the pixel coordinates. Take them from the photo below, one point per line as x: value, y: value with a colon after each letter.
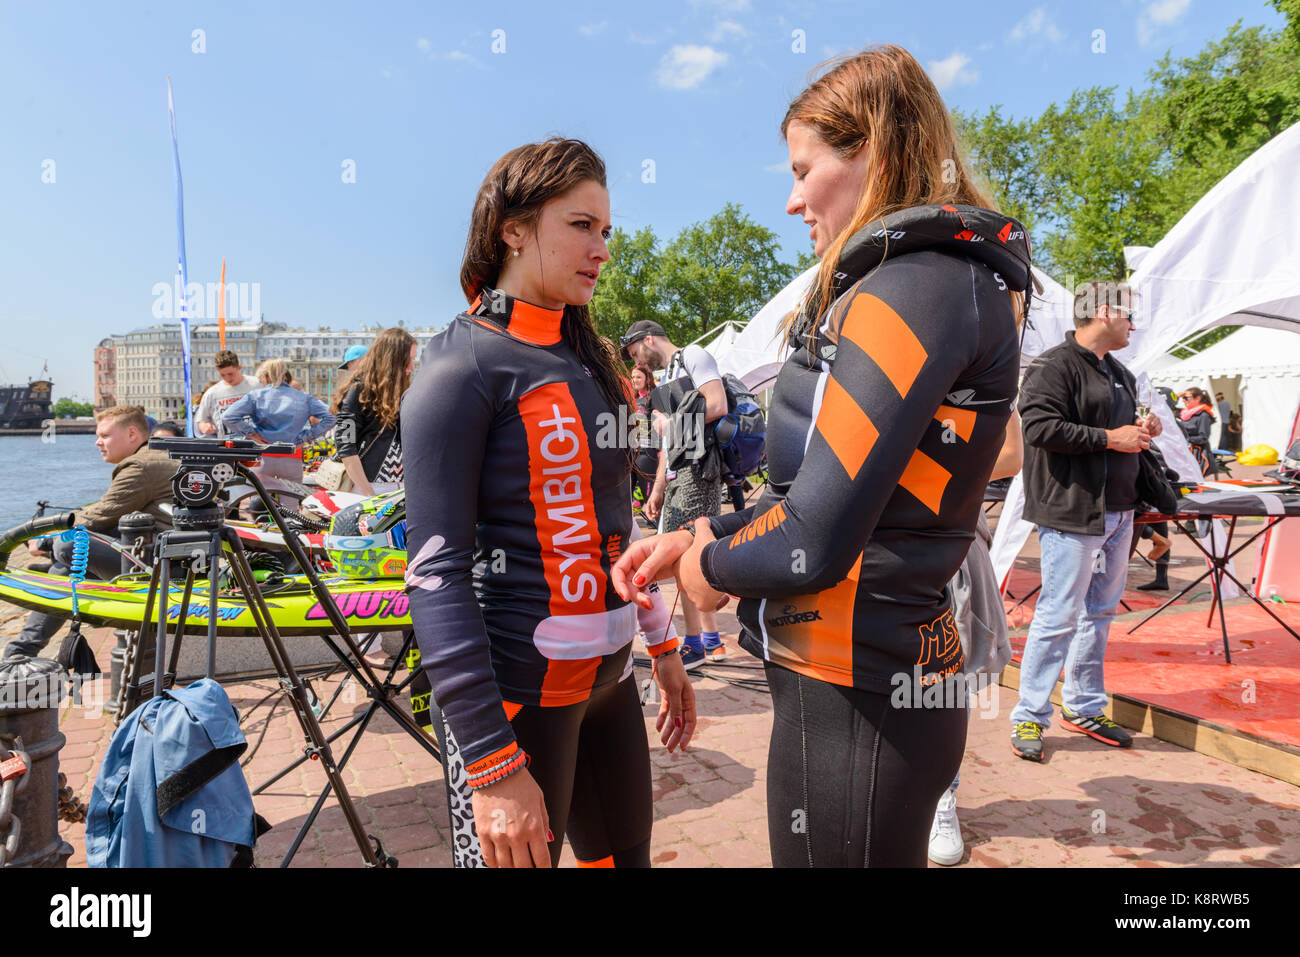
x: 926, y: 479
x: 760, y: 526
x: 846, y: 428
x: 881, y: 333
x: 962, y: 420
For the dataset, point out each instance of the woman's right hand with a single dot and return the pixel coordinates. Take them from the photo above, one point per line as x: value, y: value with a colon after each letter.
x: 647, y: 560
x: 512, y: 824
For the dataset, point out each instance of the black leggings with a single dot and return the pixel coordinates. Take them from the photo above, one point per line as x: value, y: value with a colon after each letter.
x: 853, y: 781
x: 592, y: 762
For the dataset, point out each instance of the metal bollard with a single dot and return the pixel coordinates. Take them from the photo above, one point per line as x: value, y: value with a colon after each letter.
x: 134, y: 531
x: 30, y: 692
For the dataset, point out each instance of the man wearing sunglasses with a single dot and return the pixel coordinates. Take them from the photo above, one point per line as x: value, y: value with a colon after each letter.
x: 1078, y: 410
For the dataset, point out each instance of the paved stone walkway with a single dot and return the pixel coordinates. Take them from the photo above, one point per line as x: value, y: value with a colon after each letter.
x: 1155, y: 805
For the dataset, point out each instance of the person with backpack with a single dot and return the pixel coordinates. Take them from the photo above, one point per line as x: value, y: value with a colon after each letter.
x: 692, y: 487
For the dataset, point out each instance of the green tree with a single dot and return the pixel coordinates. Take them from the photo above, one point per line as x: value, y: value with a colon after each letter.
x: 66, y: 408
x: 723, y: 269
x: 1093, y: 175
x: 629, y: 286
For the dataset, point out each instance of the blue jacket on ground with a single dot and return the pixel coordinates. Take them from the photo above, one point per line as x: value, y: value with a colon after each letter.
x: 170, y: 792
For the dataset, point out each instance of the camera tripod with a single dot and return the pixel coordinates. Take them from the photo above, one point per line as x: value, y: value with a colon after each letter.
x: 198, y: 542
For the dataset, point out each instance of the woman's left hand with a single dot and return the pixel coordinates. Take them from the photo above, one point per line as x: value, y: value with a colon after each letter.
x: 690, y: 576
x: 676, y: 722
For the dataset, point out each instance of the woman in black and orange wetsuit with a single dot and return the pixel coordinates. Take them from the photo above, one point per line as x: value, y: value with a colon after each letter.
x: 518, y: 506
x: 885, y: 422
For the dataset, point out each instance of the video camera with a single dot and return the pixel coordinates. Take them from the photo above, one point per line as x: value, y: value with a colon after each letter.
x: 207, y: 464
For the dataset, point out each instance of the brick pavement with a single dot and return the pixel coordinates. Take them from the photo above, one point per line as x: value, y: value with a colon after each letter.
x: 1156, y: 805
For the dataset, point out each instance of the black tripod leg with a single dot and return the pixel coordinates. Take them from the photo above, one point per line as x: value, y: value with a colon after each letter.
x: 129, y: 693
x: 325, y: 792
x: 214, y: 583
x: 319, y: 748
x: 160, y: 643
x: 429, y: 746
x: 173, y: 659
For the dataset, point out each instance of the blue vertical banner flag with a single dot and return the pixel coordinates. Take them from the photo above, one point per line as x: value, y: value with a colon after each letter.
x: 181, y: 296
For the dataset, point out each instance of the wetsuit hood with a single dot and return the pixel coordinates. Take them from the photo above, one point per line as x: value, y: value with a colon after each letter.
x: 989, y: 237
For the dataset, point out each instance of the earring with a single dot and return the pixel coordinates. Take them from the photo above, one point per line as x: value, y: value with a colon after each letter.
x: 516, y: 252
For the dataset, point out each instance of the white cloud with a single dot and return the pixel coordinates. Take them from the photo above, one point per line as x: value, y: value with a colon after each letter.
x: 952, y: 71
x: 726, y: 30
x: 453, y: 56
x: 726, y: 6
x: 386, y: 73
x: 591, y: 29
x: 1161, y: 13
x: 782, y: 167
x: 1037, y: 23
x: 686, y: 66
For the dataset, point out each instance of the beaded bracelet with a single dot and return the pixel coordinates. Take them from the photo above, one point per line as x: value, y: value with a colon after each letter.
x: 497, y: 772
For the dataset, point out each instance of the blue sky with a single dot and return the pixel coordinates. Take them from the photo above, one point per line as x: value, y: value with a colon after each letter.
x: 282, y: 95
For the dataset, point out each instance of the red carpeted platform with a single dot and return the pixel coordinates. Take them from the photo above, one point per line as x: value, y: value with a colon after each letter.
x: 1176, y: 662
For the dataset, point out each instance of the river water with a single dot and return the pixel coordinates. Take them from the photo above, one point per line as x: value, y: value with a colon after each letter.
x: 65, y: 471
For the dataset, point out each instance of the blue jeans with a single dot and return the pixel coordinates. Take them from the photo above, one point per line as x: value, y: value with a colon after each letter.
x: 1083, y: 579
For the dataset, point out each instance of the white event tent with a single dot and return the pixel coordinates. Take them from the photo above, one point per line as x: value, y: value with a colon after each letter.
x: 1258, y: 371
x: 1233, y: 259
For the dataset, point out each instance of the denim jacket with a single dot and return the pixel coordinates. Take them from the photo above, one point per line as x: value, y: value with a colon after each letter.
x: 279, y: 413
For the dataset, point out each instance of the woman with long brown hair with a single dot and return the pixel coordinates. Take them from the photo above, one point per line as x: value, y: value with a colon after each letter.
x: 884, y: 426
x: 517, y: 508
x: 368, y: 428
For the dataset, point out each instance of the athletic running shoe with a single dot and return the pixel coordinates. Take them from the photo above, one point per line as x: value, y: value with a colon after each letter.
x: 946, y: 846
x: 692, y: 658
x: 1100, y: 727
x: 716, y: 652
x: 1027, y: 740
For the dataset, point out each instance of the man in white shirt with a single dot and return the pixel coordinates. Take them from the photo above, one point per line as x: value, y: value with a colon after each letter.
x: 233, y: 385
x: 684, y: 495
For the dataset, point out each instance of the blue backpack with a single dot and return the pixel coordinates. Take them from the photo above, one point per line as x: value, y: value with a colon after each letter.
x: 741, y: 434
x: 170, y: 792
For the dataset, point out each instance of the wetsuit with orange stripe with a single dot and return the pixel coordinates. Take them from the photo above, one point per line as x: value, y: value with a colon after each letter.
x: 879, y: 445
x: 518, y: 505
x: 880, y: 442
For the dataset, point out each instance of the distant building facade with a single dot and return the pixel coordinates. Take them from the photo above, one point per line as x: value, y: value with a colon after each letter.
x: 146, y: 367
x: 105, y: 375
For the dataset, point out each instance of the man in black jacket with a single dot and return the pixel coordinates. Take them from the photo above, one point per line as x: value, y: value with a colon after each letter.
x: 1078, y: 409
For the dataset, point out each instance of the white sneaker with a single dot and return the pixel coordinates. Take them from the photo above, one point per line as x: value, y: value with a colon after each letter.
x: 946, y: 845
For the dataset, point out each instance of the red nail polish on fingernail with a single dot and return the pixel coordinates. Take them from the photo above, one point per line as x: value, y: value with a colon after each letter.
x: 640, y: 579
x: 550, y: 837
x: 677, y: 721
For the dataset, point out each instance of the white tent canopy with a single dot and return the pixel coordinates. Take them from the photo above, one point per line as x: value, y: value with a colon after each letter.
x: 1051, y: 316
x: 1234, y: 259
x: 1260, y: 365
x: 756, y: 353
x: 721, y: 344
